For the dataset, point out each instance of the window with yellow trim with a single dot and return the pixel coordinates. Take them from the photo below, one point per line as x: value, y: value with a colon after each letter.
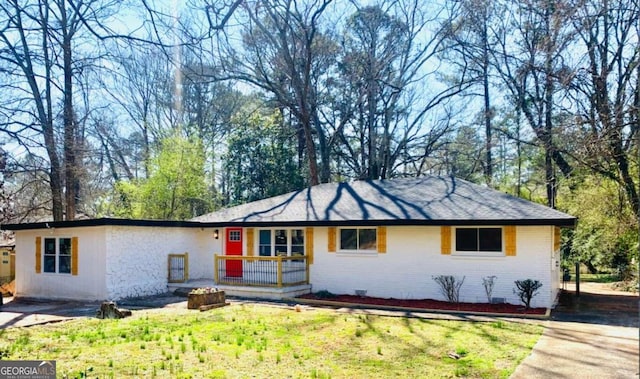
x: 57, y: 255
x: 358, y: 239
x: 479, y: 239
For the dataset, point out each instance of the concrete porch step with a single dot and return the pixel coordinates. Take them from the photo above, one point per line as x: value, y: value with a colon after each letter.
x: 270, y: 293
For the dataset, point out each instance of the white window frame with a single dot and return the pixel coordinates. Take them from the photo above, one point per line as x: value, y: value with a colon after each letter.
x: 358, y: 250
x: 479, y: 253
x: 289, y: 237
x: 57, y: 255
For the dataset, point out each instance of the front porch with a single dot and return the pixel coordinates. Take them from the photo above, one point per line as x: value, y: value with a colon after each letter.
x: 272, y: 278
x: 268, y: 293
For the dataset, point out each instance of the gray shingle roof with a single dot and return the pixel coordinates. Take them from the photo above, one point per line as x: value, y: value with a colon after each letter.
x: 412, y: 201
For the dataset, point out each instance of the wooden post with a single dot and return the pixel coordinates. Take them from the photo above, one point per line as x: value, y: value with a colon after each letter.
x: 279, y: 271
x: 215, y: 268
x: 577, y: 279
x: 186, y: 266
x: 169, y: 268
x: 306, y: 260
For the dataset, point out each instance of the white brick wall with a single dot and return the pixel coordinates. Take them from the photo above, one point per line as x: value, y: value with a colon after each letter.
x: 413, y: 257
x: 117, y: 262
x: 137, y: 257
x: 89, y: 284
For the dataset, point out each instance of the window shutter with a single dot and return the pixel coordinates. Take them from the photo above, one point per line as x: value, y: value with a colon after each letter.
x: 308, y: 240
x: 249, y: 238
x: 510, y: 241
x: 382, y: 239
x: 74, y: 256
x: 332, y: 239
x: 445, y: 240
x: 38, y: 255
x: 556, y: 238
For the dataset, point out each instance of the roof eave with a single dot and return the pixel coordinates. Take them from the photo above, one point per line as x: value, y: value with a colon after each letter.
x: 564, y: 222
x: 100, y: 222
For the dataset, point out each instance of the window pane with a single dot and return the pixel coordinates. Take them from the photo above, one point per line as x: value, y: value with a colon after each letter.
x: 490, y: 239
x: 49, y: 263
x: 65, y: 246
x: 466, y: 239
x: 297, y: 249
x: 297, y: 242
x: 265, y: 250
x: 265, y: 243
x: 65, y: 264
x: 281, y: 237
x: 50, y: 246
x: 348, y: 239
x: 265, y: 237
x: 367, y: 239
x: 281, y: 242
x: 297, y: 237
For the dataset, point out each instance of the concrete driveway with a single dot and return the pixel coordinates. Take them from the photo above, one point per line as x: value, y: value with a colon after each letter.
x: 20, y: 313
x: 28, y: 312
x: 593, y: 336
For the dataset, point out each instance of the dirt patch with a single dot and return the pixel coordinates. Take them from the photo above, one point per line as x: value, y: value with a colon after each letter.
x: 428, y: 304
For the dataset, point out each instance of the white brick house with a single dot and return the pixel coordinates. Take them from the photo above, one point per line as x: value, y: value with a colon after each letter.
x: 386, y: 237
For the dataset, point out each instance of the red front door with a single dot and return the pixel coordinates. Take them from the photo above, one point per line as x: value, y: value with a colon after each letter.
x: 234, y: 247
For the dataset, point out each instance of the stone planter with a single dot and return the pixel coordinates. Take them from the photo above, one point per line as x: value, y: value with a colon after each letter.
x: 196, y: 300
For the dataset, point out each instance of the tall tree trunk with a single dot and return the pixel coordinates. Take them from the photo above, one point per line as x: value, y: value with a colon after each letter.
x: 70, y: 136
x: 325, y: 153
x: 311, y: 149
x: 372, y: 170
x: 548, y: 112
x: 518, y: 152
x: 635, y: 116
x: 44, y: 108
x: 488, y: 171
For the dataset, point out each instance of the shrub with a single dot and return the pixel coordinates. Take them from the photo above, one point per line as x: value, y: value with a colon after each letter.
x: 488, y: 283
x: 449, y: 286
x: 526, y: 290
x: 324, y: 294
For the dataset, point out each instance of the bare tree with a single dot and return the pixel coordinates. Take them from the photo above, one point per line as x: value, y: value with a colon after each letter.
x: 142, y: 86
x: 41, y: 65
x: 6, y: 199
x: 282, y: 53
x: 529, y: 62
x: 389, y: 89
x: 605, y: 88
x: 470, y: 38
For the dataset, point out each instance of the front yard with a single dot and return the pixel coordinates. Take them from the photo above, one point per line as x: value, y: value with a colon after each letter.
x: 264, y: 341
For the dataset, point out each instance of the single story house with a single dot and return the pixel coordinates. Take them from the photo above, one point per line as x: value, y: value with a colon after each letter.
x: 385, y: 238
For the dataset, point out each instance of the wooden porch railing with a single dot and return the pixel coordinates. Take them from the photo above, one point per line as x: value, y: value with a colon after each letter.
x: 178, y: 267
x: 280, y: 271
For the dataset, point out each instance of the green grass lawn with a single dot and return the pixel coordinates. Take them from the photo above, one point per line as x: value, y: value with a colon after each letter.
x: 268, y: 342
x: 597, y: 278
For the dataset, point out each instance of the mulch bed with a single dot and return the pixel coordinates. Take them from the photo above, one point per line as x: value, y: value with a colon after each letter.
x: 428, y: 304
